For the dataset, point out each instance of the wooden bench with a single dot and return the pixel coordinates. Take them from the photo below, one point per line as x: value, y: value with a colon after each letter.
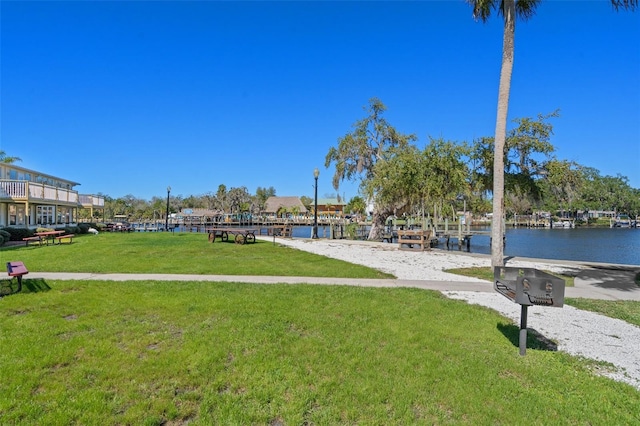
x: 59, y: 238
x: 35, y: 239
x: 17, y: 269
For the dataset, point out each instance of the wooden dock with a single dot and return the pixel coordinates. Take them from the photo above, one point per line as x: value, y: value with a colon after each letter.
x: 443, y: 232
x: 462, y: 239
x: 459, y: 232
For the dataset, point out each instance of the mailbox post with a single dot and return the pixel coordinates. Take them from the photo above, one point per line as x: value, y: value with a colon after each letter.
x: 528, y: 287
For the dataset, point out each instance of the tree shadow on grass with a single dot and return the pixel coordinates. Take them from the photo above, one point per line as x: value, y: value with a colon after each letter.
x: 535, y: 340
x: 10, y: 286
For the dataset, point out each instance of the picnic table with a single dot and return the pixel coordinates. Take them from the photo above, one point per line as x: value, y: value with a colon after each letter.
x: 47, y: 236
x: 414, y: 239
x: 241, y: 235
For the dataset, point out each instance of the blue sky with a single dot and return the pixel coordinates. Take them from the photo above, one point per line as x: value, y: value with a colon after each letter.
x: 130, y: 97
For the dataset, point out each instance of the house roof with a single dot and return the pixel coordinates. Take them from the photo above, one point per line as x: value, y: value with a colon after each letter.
x: 273, y: 204
x: 330, y: 201
x: 35, y: 173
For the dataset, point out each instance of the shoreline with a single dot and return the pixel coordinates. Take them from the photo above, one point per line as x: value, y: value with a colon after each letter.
x: 434, y: 260
x: 592, y: 280
x: 424, y: 265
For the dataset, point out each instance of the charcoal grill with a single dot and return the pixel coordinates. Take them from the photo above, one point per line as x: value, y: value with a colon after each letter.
x: 528, y: 287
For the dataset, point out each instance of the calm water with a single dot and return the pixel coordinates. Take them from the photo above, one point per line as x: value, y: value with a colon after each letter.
x: 607, y: 245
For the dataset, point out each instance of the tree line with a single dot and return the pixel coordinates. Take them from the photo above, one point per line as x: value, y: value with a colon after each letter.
x: 228, y: 200
x: 224, y: 200
x: 444, y: 175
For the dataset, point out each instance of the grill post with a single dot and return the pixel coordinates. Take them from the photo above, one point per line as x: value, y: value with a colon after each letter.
x: 523, y: 329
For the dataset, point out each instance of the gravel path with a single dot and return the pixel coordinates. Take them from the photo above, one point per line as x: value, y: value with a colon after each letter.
x: 575, y: 331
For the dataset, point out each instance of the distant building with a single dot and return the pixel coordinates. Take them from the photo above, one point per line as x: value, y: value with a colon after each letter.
x: 330, y: 206
x: 29, y: 199
x: 275, y: 206
x: 596, y: 214
x: 199, y: 215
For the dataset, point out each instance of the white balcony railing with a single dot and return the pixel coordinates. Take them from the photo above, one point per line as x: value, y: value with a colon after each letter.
x: 13, y: 189
x: 29, y: 191
x: 91, y: 200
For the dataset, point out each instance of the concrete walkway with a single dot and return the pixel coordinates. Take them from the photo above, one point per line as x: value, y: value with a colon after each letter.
x: 605, y: 284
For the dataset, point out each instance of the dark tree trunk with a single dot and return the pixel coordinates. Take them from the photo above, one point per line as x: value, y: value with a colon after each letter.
x: 378, y: 222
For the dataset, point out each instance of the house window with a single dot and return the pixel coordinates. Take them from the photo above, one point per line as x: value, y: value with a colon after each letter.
x: 64, y: 215
x: 16, y: 214
x: 44, y: 215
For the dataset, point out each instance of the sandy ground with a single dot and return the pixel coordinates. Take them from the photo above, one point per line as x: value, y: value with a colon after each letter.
x: 406, y: 264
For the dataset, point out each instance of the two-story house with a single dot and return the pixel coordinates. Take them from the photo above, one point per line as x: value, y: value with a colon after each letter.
x: 31, y: 199
x: 330, y: 207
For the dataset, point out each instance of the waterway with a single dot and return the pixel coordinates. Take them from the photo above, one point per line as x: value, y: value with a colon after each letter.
x: 606, y: 245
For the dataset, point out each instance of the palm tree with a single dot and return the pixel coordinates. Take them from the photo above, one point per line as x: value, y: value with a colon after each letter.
x: 8, y: 160
x: 510, y: 11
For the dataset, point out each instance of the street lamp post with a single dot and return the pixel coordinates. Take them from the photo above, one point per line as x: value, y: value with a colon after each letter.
x: 316, y: 173
x: 166, y: 220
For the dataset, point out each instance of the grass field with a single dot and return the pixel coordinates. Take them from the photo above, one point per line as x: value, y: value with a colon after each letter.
x: 180, y: 253
x: 147, y: 352
x: 224, y: 353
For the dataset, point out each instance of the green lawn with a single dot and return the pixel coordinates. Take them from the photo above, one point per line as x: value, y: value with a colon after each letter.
x: 98, y: 352
x: 147, y: 352
x: 626, y: 310
x: 180, y: 253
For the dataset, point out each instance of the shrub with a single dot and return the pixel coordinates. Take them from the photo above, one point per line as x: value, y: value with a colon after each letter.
x: 71, y: 230
x: 4, y: 236
x: 83, y: 228
x: 17, y: 234
x: 352, y: 231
